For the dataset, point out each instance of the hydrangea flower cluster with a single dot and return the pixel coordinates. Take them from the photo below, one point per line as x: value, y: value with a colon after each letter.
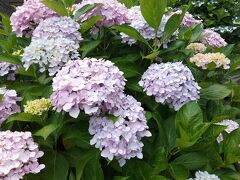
x: 138, y: 22
x: 199, y: 175
x: 197, y: 47
x: 8, y: 104
x: 90, y: 84
x: 213, y: 39
x: 230, y: 126
x: 189, y: 20
x: 38, y: 106
x: 113, y: 11
x: 55, y: 42
x: 202, y: 60
x: 58, y: 27
x: 8, y: 69
x: 170, y: 83
x: 28, y: 16
x: 19, y: 155
x: 120, y: 139
x: 50, y: 54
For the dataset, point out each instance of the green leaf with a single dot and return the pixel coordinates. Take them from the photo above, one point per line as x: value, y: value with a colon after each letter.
x: 6, y: 24
x: 1, y: 97
x: 24, y: 117
x: 159, y: 160
x: 85, y: 158
x: 179, y: 172
x: 189, y: 124
x: 56, y: 6
x: 120, y: 178
x: 130, y: 70
x: 191, y: 160
x: 30, y: 72
x: 89, y: 46
x: 10, y: 59
x: 56, y: 166
x: 130, y: 31
x: 152, y: 11
x: 46, y: 130
x: 85, y: 26
x: 231, y: 147
x: 215, y: 92
x: 85, y: 9
x: 153, y: 55
x: 173, y: 24
x: 129, y: 3
x: 196, y: 33
x: 68, y: 3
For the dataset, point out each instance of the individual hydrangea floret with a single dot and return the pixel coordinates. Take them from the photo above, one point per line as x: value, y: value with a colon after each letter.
x: 219, y: 59
x: 90, y: 84
x: 189, y: 20
x: 204, y: 175
x: 19, y: 155
x: 197, y: 47
x: 113, y: 11
x: 50, y: 54
x: 138, y: 22
x: 26, y: 17
x: 8, y: 104
x: 170, y: 83
x: 120, y: 139
x: 38, y: 106
x: 58, y: 27
x: 230, y: 126
x: 213, y: 39
x: 9, y: 70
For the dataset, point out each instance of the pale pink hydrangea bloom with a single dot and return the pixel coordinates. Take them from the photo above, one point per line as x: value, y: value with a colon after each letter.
x: 189, y: 20
x: 28, y: 16
x: 113, y: 11
x: 213, y: 39
x: 19, y: 155
x: 90, y: 84
x: 230, y: 126
x: 170, y: 83
x: 8, y: 104
x: 121, y: 139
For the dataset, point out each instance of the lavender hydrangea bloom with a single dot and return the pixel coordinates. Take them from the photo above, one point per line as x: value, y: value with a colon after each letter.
x: 230, y: 126
x: 121, y: 139
x: 19, y: 155
x: 200, y: 175
x: 58, y: 27
x: 213, y: 39
x: 28, y: 16
x: 50, y: 54
x: 8, y: 104
x: 138, y: 22
x: 170, y: 83
x: 8, y: 69
x: 90, y: 84
x: 189, y: 20
x: 114, y: 12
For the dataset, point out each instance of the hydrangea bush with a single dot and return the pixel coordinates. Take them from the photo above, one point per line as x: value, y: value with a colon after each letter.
x: 116, y: 90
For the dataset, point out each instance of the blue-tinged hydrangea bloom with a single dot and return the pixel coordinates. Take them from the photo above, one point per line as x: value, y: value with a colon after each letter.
x: 8, y: 104
x: 92, y: 85
x: 120, y: 139
x: 170, y: 83
x: 9, y: 70
x: 58, y: 27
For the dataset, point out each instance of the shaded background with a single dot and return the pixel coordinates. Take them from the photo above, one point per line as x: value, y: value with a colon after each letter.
x: 7, y: 6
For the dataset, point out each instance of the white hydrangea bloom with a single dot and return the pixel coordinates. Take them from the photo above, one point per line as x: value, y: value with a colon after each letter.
x: 200, y: 175
x: 50, y: 54
x: 170, y: 83
x: 230, y: 126
x: 8, y: 69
